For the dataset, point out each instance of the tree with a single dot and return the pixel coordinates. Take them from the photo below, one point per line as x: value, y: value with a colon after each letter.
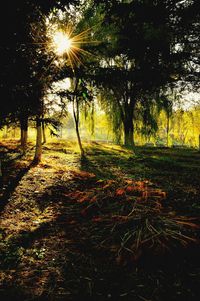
x: 151, y: 39
x: 23, y: 63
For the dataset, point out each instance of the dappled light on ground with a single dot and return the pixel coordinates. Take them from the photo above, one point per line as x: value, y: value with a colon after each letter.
x: 76, y: 228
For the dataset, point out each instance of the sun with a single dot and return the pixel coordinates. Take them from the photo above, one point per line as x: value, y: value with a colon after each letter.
x: 68, y: 45
x: 62, y: 43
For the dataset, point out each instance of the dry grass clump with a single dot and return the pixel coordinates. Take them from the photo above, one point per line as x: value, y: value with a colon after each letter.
x: 133, y: 219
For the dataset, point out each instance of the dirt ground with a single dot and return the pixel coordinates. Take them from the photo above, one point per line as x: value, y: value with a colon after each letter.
x: 111, y: 226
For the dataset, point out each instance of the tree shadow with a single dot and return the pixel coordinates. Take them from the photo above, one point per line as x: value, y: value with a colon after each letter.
x: 105, y: 163
x: 85, y: 269
x: 83, y: 266
x: 12, y: 184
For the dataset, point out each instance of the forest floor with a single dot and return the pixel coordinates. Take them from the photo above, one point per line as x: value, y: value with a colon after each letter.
x: 111, y: 226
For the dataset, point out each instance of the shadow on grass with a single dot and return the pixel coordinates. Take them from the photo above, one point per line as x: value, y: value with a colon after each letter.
x: 97, y: 166
x: 12, y: 184
x: 108, y: 163
x: 91, y: 274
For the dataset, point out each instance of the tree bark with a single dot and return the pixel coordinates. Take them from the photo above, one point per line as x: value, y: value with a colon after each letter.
x: 24, y: 132
x: 38, y: 149
x: 128, y: 126
x: 76, y: 120
x: 43, y: 133
x: 128, y: 134
x: 79, y: 140
x: 167, y: 129
x: 126, y: 108
x: 76, y: 115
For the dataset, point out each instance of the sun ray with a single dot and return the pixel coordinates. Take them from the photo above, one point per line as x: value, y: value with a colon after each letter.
x: 75, y: 56
x: 66, y: 44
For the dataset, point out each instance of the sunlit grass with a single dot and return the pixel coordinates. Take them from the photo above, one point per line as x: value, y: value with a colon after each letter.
x: 107, y: 204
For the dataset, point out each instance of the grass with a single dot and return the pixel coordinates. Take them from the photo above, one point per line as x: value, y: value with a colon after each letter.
x: 110, y: 227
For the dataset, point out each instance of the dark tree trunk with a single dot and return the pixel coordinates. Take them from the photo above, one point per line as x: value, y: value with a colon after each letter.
x: 76, y: 120
x: 128, y: 127
x: 128, y: 134
x: 43, y: 133
x: 24, y: 132
x: 79, y: 140
x: 127, y: 106
x: 167, y: 130
x: 76, y: 116
x: 38, y: 149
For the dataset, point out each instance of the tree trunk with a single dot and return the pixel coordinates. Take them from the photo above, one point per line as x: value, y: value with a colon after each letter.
x: 24, y: 132
x: 127, y: 112
x: 128, y: 135
x: 22, y: 135
x: 79, y: 140
x: 128, y: 128
x: 38, y: 149
x: 76, y: 116
x: 167, y: 130
x: 76, y: 120
x: 43, y: 133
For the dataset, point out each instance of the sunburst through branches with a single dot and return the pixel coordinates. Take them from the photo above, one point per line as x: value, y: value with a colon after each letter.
x: 67, y: 45
x: 62, y: 43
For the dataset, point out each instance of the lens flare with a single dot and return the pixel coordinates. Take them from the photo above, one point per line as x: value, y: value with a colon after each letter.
x: 62, y: 43
x: 66, y: 44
